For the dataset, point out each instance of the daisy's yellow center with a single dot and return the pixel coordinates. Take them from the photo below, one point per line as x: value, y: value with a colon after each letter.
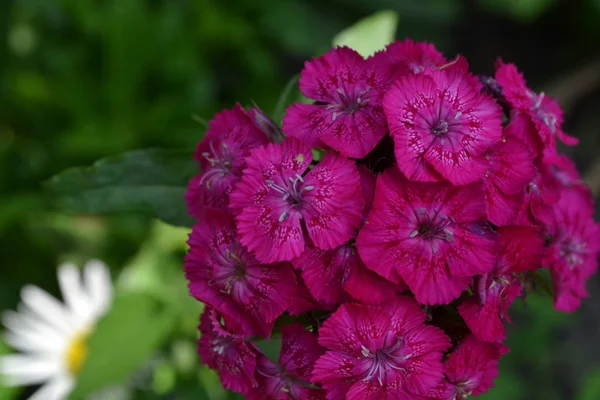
x: 77, y: 352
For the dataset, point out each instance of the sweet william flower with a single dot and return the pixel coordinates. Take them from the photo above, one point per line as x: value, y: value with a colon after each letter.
x: 289, y: 377
x: 572, y: 253
x: 408, y: 56
x: 425, y: 235
x: 543, y: 110
x: 224, y: 274
x: 332, y: 275
x: 279, y: 199
x: 379, y: 352
x: 442, y: 124
x: 347, y: 114
x: 470, y: 369
x: 511, y: 169
x: 229, y: 354
x: 230, y: 137
x: 520, y: 250
x: 52, y: 337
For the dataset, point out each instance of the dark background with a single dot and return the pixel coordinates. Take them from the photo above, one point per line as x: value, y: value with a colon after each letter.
x: 85, y: 79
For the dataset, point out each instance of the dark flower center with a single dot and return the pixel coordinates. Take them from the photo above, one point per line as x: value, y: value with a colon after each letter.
x: 347, y: 103
x: 232, y: 270
x: 441, y: 128
x: 220, y: 159
x: 384, y: 361
x: 291, y: 192
x: 573, y: 252
x: 434, y: 226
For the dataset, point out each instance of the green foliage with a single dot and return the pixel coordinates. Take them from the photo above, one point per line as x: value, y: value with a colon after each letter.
x: 590, y: 388
x: 520, y: 9
x: 124, y: 339
x: 6, y: 393
x: 150, y: 181
x: 370, y: 34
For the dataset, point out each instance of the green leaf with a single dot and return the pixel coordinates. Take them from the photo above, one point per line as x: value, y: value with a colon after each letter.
x: 286, y: 97
x: 370, y: 34
x: 6, y: 393
x: 122, y: 341
x: 151, y: 181
x: 590, y: 390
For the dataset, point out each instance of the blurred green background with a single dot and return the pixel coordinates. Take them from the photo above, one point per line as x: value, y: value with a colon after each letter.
x: 85, y: 79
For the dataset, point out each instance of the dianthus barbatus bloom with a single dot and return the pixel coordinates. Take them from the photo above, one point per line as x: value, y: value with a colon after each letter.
x: 540, y: 196
x: 520, y: 250
x: 229, y: 354
x: 289, y: 378
x: 572, y: 254
x: 224, y: 274
x: 425, y: 234
x: 347, y: 115
x: 380, y: 352
x: 510, y: 170
x: 52, y: 337
x: 331, y: 275
x: 442, y: 124
x: 470, y: 369
x: 543, y: 110
x: 408, y: 56
x: 279, y: 199
x: 230, y: 137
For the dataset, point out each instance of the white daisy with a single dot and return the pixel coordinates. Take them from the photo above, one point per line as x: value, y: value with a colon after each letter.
x: 51, y: 336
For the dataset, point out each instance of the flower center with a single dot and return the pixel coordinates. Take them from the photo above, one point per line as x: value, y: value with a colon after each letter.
x: 233, y: 270
x: 573, y: 252
x: 347, y: 103
x: 77, y: 351
x: 220, y: 159
x: 441, y: 128
x: 537, y: 107
x: 291, y: 193
x: 385, y: 361
x: 432, y: 227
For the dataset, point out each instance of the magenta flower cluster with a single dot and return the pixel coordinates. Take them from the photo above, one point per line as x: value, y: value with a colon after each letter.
x: 384, y: 231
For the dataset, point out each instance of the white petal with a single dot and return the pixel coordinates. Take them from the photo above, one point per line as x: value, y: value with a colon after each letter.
x: 75, y: 297
x: 22, y: 324
x: 33, y: 342
x: 99, y: 286
x: 20, y: 370
x: 42, y: 305
x: 57, y: 389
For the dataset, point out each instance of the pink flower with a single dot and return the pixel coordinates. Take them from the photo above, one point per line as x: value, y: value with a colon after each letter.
x: 379, y: 352
x: 510, y: 170
x: 572, y: 255
x: 230, y: 137
x: 564, y: 171
x: 289, y: 378
x: 520, y: 250
x: 225, y: 275
x: 414, y: 57
x: 427, y: 234
x: 302, y: 301
x: 331, y: 275
x: 347, y: 115
x: 540, y: 196
x: 470, y: 369
x: 543, y: 110
x: 277, y: 199
x: 227, y: 353
x: 442, y: 124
